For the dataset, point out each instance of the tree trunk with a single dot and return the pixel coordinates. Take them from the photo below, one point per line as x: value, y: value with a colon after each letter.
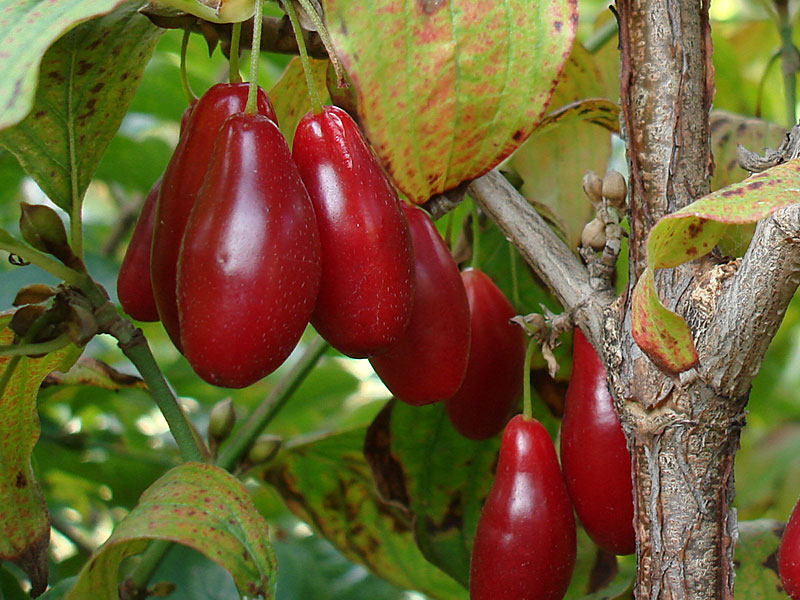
x: 683, y: 430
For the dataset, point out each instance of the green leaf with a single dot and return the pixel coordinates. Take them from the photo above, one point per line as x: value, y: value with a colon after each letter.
x: 690, y: 233
x: 327, y: 483
x: 446, y: 90
x: 566, y: 144
x: 196, y: 505
x: 756, y: 560
x: 27, y: 28
x: 87, y: 80
x: 421, y: 461
x: 90, y: 371
x: 24, y: 522
x: 289, y: 95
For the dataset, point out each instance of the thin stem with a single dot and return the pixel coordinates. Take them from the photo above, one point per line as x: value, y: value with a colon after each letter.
x: 239, y: 443
x: 326, y: 40
x: 42, y: 260
x: 599, y: 38
x: 476, y: 235
x: 527, y: 406
x: 514, y: 283
x: 762, y: 82
x: 790, y: 61
x: 316, y: 103
x: 38, y: 348
x: 234, y: 76
x: 448, y: 230
x: 187, y: 88
x: 255, y: 53
x: 148, y: 564
x: 76, y: 201
x: 138, y: 351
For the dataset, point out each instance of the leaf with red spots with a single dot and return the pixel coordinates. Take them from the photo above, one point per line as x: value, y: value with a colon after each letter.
x: 571, y: 139
x: 446, y: 90
x: 87, y: 80
x: 197, y: 505
x: 327, y: 483
x: 24, y: 521
x: 690, y: 233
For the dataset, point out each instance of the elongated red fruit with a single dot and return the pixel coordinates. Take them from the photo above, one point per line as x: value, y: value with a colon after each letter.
x: 134, y: 290
x: 594, y: 454
x: 182, y: 180
x: 789, y: 555
x: 367, y: 287
x: 429, y: 361
x: 249, y: 266
x: 525, y: 543
x: 492, y: 385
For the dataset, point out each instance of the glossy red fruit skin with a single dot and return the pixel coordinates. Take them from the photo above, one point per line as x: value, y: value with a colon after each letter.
x: 789, y: 555
x: 492, y: 384
x: 134, y: 290
x: 182, y: 180
x: 249, y: 266
x: 594, y: 454
x: 366, y: 294
x: 525, y: 543
x: 428, y: 362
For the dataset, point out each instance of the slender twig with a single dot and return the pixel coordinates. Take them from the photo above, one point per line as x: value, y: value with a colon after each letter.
x: 36, y: 348
x: 255, y: 52
x: 316, y: 19
x: 316, y: 103
x: 234, y: 76
x: 790, y: 61
x: 239, y: 443
x: 187, y: 87
x: 43, y: 261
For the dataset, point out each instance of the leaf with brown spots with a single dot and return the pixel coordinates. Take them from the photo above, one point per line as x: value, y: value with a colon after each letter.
x: 90, y: 371
x: 24, y: 521
x: 200, y: 506
x: 87, y: 81
x: 690, y: 233
x: 446, y: 90
x: 728, y: 131
x: 27, y: 28
x: 327, y: 483
x: 446, y: 477
x: 575, y: 137
x: 756, y: 560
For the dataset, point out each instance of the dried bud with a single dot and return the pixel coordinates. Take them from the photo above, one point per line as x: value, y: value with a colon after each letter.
x: 594, y: 235
x: 25, y: 317
x: 34, y: 293
x: 593, y: 187
x: 221, y: 421
x: 614, y: 189
x: 263, y: 449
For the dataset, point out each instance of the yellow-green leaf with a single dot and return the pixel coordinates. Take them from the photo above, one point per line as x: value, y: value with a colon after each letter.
x: 24, y: 521
x: 197, y: 505
x: 289, y: 95
x: 690, y: 233
x: 446, y: 90
x: 87, y: 80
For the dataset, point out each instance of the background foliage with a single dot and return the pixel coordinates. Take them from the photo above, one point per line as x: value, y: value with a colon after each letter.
x: 103, y: 442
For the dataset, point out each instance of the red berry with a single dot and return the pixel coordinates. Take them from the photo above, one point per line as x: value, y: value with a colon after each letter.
x: 789, y: 555
x: 182, y: 180
x: 134, y: 289
x: 429, y: 361
x: 525, y: 543
x: 367, y: 287
x: 492, y: 385
x: 594, y: 454
x: 249, y: 266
